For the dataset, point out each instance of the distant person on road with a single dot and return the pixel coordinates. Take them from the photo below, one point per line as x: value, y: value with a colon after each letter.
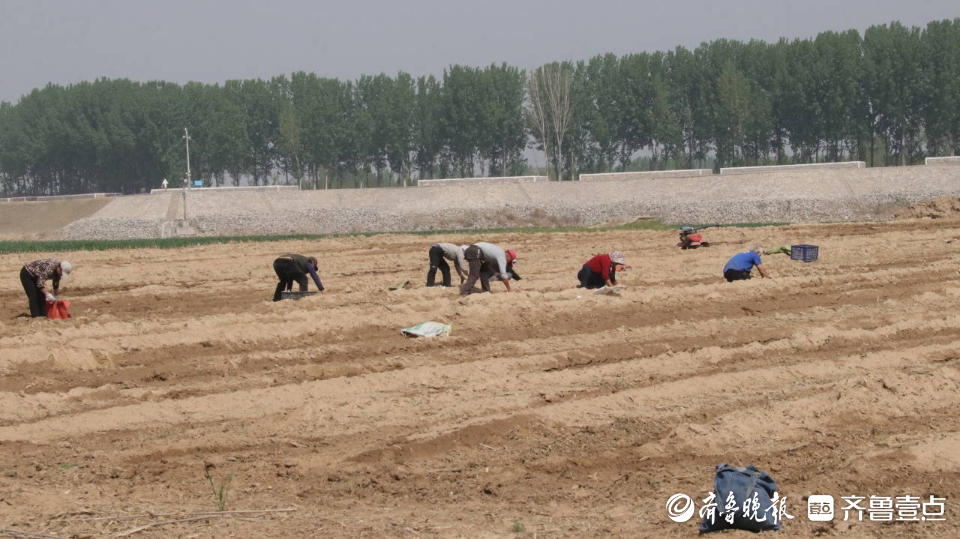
x: 739, y: 267
x: 439, y: 254
x: 600, y: 271
x: 487, y: 260
x: 34, y: 277
x: 164, y: 184
x: 292, y: 268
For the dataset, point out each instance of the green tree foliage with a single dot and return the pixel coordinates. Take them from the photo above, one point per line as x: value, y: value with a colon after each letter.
x: 940, y: 50
x: 892, y: 57
x: 459, y: 119
x: 400, y: 100
x: 501, y: 135
x: 427, y: 138
x: 888, y: 96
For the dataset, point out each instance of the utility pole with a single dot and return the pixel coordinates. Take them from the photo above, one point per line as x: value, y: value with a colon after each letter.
x: 186, y: 138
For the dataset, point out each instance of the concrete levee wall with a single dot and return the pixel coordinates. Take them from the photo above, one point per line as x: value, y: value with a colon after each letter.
x: 940, y: 161
x: 646, y: 175
x: 226, y: 188
x: 485, y: 181
x: 59, y: 197
x: 800, y: 195
x: 770, y: 169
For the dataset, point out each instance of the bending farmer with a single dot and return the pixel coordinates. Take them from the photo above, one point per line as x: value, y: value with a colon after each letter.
x: 738, y: 268
x: 439, y: 254
x: 487, y: 260
x: 292, y: 268
x: 33, y: 277
x: 600, y: 271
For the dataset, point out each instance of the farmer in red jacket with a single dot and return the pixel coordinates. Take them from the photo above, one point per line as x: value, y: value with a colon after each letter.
x: 34, y: 276
x: 600, y: 270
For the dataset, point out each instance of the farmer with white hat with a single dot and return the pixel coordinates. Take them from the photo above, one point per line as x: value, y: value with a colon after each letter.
x: 600, y: 270
x: 33, y: 277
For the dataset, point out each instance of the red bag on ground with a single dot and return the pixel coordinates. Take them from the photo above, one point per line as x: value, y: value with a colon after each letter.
x: 58, y: 309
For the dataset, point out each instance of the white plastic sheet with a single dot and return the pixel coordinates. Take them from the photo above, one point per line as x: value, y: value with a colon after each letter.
x: 427, y: 329
x: 609, y: 291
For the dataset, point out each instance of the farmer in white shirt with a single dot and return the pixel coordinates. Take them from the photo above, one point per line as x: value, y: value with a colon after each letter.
x: 439, y: 254
x: 487, y: 260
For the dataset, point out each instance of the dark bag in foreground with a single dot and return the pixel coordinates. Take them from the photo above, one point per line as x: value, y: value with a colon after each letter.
x: 749, y: 507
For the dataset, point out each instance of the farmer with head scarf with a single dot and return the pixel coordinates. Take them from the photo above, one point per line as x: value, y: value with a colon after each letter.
x: 739, y: 267
x: 292, y: 268
x: 600, y: 270
x: 34, y: 277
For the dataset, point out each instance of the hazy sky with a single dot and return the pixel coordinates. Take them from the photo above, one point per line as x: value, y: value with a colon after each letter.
x: 68, y: 41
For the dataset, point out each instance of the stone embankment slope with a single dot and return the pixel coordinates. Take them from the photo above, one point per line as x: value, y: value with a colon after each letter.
x: 43, y: 220
x: 790, y: 196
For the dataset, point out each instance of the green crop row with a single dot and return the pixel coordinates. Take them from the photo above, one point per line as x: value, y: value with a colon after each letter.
x: 156, y: 243
x: 8, y: 247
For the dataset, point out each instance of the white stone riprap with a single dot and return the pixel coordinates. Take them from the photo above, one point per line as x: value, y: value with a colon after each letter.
x: 804, y: 195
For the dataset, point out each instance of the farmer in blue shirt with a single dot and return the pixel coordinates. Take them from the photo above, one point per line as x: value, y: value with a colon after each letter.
x: 738, y: 268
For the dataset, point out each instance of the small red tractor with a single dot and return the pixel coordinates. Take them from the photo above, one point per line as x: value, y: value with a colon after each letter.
x: 691, y: 238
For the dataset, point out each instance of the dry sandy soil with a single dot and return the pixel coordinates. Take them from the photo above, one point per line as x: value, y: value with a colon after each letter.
x: 935, y: 208
x: 575, y: 416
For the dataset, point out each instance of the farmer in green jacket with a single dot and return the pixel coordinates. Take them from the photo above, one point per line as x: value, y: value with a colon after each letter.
x: 292, y: 268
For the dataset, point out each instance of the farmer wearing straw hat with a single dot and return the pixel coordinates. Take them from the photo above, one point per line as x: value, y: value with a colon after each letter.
x: 738, y: 268
x: 487, y: 260
x: 33, y: 277
x: 600, y: 270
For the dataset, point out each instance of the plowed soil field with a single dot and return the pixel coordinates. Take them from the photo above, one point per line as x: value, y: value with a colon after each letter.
x: 549, y: 412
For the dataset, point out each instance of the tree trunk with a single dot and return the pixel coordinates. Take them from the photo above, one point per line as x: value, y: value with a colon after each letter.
x: 546, y: 157
x: 573, y: 168
x: 779, y: 139
x: 903, y: 146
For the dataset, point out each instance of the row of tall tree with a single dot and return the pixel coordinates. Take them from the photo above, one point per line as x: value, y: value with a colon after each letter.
x: 123, y: 136
x: 888, y: 96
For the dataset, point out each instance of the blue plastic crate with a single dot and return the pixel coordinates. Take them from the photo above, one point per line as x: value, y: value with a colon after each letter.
x: 807, y: 253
